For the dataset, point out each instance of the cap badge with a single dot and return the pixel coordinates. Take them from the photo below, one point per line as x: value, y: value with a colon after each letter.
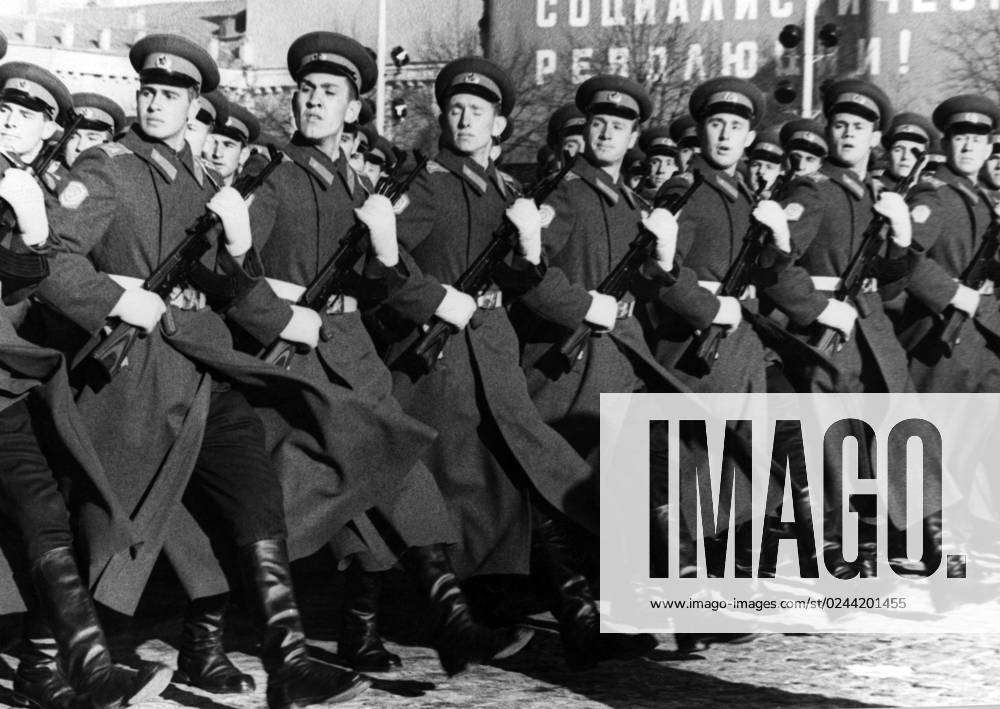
x: 21, y: 84
x: 471, y: 79
x: 615, y: 97
x: 163, y: 62
x: 86, y: 113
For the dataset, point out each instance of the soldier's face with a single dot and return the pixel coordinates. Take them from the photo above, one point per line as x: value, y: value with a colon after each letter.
x: 685, y: 155
x: 22, y: 130
x: 82, y: 139
x: 572, y: 144
x: 661, y: 168
x: 852, y: 139
x: 197, y: 135
x: 724, y: 138
x: 163, y: 111
x: 991, y: 171
x: 808, y: 163
x: 223, y: 154
x: 966, y: 152
x: 372, y: 171
x: 472, y: 123
x: 322, y: 105
x: 763, y: 170
x: 347, y: 143
x: 901, y: 158
x: 609, y: 137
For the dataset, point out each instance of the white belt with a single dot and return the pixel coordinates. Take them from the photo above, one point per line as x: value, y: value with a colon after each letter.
x: 831, y: 284
x: 985, y: 289
x: 338, y: 303
x: 713, y: 286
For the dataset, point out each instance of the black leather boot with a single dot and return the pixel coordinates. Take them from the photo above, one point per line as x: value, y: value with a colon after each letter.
x: 83, y: 649
x: 202, y: 660
x: 458, y: 639
x: 573, y: 604
x: 359, y: 644
x: 39, y: 679
x: 293, y: 678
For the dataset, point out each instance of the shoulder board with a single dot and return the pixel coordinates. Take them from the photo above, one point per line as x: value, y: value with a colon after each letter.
x: 571, y: 176
x: 932, y: 182
x: 434, y: 166
x: 685, y: 178
x: 113, y: 150
x: 817, y: 177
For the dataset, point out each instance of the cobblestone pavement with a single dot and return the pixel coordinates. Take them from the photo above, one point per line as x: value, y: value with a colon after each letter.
x: 773, y: 671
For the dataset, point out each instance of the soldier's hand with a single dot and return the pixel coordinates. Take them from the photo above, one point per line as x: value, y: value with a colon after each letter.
x: 663, y: 224
x: 730, y: 313
x: 840, y: 316
x: 25, y: 196
x: 140, y: 308
x: 603, y: 311
x: 893, y: 207
x: 524, y: 215
x: 770, y: 214
x: 457, y: 308
x: 376, y: 213
x: 966, y: 300
x: 304, y: 327
x: 187, y: 299
x: 235, y: 215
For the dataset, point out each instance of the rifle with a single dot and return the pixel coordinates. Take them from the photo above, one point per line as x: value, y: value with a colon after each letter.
x: 175, y: 270
x: 974, y: 276
x: 422, y: 355
x: 704, y: 350
x: 616, y: 282
x: 32, y: 267
x: 861, y: 264
x: 338, y: 272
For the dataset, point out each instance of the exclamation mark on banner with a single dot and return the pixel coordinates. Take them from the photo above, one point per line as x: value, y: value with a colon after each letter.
x: 904, y: 51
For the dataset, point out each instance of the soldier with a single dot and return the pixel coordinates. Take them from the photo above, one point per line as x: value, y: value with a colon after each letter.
x: 297, y: 233
x: 174, y: 425
x: 228, y: 149
x: 662, y: 160
x: 494, y: 458
x: 104, y: 119
x: 380, y: 160
x: 990, y: 174
x: 764, y: 160
x: 351, y: 135
x: 907, y: 132
x: 588, y: 224
x: 816, y: 238
x: 565, y: 130
x: 210, y: 108
x: 684, y: 132
x: 804, y: 142
x: 634, y: 168
x: 64, y: 657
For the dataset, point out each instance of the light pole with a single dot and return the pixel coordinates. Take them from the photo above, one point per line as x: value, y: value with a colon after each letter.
x: 808, y: 50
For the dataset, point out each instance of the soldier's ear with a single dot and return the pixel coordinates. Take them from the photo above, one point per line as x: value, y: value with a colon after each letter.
x: 499, y: 124
x: 49, y: 129
x: 353, y: 111
x: 751, y: 137
x: 876, y: 138
x: 634, y: 136
x: 244, y: 155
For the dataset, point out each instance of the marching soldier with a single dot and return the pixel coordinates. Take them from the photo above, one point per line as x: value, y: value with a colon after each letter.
x: 351, y: 136
x: 990, y: 174
x: 684, y: 132
x: 804, y: 142
x: 588, y: 224
x: 494, y: 458
x: 173, y: 424
x: 565, y: 131
x: 907, y: 132
x: 380, y: 160
x: 211, y: 108
x: 662, y: 160
x: 104, y: 119
x: 64, y: 657
x: 764, y: 162
x: 298, y: 219
x: 228, y: 148
x: 634, y: 168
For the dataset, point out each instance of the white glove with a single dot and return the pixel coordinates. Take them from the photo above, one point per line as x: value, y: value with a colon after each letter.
x: 966, y: 300
x: 235, y: 215
x: 457, y: 308
x: 376, y: 213
x: 304, y: 327
x: 770, y: 214
x: 140, y: 308
x: 840, y: 316
x: 603, y: 311
x: 730, y: 313
x: 524, y: 215
x: 893, y: 207
x: 25, y: 196
x: 663, y: 224
x: 187, y: 299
